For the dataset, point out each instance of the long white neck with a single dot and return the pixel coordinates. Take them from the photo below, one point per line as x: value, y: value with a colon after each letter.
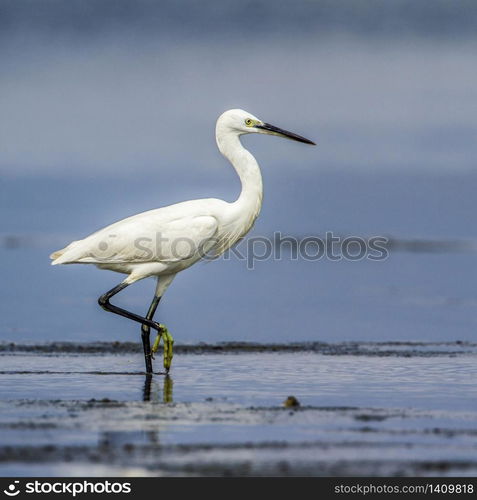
x: 250, y: 199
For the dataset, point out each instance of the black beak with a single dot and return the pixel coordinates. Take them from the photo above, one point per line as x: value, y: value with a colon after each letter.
x: 284, y: 133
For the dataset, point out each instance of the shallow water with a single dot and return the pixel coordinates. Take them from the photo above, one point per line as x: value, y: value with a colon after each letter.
x: 73, y: 414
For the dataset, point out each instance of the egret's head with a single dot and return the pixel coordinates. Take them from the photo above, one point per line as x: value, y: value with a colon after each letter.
x: 242, y: 122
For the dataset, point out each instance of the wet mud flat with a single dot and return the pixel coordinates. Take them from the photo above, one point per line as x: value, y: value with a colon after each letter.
x: 365, y: 409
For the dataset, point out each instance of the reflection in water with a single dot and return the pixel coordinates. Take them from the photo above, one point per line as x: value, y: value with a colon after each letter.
x: 166, y: 389
x: 147, y: 388
x: 149, y: 435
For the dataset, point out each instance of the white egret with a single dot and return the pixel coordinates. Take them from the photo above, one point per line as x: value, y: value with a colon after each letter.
x: 165, y: 241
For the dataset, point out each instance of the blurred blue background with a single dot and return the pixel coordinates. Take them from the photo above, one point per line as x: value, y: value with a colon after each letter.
x: 108, y: 108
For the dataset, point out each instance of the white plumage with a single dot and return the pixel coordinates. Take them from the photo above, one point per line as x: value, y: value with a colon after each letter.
x: 165, y: 241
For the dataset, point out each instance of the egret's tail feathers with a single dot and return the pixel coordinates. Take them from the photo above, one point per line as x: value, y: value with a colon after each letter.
x: 60, y: 256
x: 57, y: 257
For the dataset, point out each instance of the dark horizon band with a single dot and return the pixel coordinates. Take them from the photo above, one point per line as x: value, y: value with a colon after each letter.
x: 284, y: 133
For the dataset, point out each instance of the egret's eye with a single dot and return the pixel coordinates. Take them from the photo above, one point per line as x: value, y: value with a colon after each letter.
x: 248, y: 122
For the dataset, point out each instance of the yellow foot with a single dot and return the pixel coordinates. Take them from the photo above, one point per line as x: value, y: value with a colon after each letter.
x: 168, y: 346
x: 155, y: 346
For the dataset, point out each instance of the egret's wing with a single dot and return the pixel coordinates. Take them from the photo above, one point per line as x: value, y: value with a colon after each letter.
x: 146, y: 238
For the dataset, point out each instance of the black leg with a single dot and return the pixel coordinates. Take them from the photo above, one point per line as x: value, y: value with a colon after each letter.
x: 105, y: 304
x: 145, y: 331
